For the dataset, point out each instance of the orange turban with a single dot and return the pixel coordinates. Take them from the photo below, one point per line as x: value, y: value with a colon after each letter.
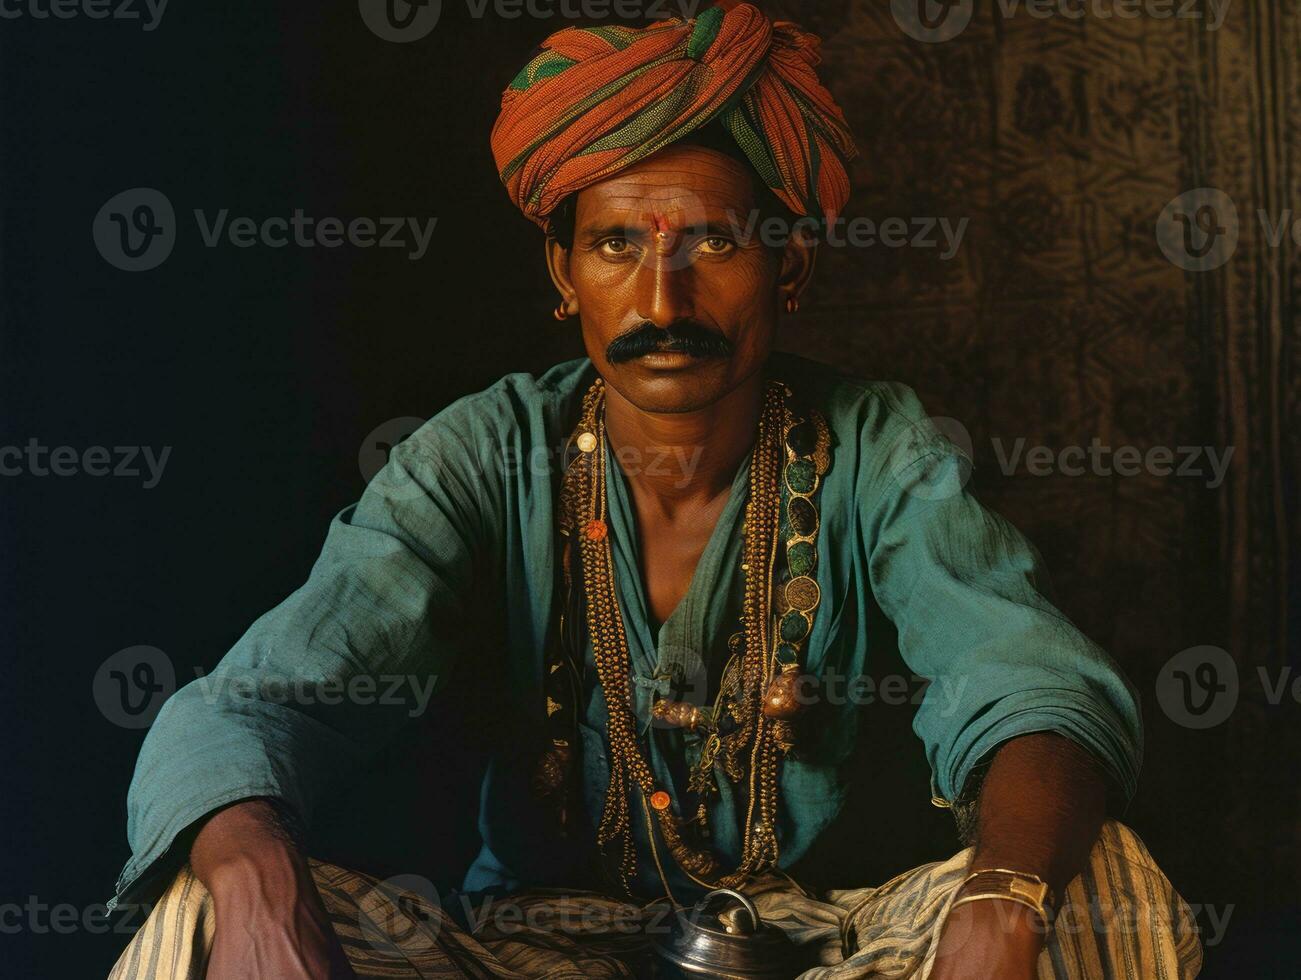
x: 598, y: 99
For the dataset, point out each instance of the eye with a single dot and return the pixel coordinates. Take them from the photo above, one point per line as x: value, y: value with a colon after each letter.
x: 716, y: 245
x: 615, y: 246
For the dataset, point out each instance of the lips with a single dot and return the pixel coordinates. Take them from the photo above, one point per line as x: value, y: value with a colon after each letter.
x: 684, y: 350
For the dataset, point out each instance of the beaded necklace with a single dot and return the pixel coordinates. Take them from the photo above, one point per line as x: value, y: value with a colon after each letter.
x: 754, y: 721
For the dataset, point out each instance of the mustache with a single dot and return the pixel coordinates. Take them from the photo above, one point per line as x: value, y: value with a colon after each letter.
x: 687, y: 337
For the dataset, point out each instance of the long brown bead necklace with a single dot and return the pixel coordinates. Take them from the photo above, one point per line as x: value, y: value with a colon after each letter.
x: 756, y: 709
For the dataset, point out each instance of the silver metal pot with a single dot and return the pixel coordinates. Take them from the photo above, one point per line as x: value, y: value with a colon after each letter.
x: 727, y: 939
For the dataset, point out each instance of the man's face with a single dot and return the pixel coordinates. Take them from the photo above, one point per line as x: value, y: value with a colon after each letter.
x: 678, y: 303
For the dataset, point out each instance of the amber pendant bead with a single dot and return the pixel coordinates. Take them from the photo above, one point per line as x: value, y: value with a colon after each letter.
x: 679, y: 714
x: 781, y: 702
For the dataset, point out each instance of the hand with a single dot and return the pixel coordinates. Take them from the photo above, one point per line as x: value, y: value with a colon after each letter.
x: 270, y: 920
x: 992, y: 938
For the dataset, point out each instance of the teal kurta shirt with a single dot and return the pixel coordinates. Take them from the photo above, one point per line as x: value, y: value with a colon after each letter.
x: 455, y: 537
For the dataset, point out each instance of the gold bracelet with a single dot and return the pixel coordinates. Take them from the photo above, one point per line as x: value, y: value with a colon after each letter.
x: 981, y: 896
x: 1016, y: 886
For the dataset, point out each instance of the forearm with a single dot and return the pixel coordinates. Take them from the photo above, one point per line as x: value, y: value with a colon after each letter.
x: 271, y: 921
x: 1041, y: 807
x: 247, y: 858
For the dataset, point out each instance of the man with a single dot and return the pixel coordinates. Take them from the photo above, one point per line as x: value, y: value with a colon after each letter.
x: 668, y: 591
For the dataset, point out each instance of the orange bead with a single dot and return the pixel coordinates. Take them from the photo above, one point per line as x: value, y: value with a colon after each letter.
x: 660, y: 800
x: 595, y: 530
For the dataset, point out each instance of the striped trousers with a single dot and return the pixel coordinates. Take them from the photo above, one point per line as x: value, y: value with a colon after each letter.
x: 1120, y: 918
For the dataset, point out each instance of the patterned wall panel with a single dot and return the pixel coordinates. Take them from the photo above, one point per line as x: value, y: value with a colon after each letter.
x: 1059, y: 321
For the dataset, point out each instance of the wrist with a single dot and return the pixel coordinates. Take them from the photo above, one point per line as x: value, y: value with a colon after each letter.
x: 996, y: 927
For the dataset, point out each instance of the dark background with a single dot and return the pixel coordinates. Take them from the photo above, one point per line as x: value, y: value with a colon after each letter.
x: 267, y: 370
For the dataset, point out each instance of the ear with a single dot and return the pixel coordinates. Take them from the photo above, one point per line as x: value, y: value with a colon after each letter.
x: 797, y: 261
x: 558, y: 267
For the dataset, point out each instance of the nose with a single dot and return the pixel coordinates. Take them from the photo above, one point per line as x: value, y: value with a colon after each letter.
x: 665, y: 282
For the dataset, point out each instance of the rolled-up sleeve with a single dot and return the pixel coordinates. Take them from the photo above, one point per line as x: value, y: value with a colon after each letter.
x: 321, y: 681
x: 962, y: 587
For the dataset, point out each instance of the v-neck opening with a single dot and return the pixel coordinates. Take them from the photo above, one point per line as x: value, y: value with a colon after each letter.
x: 619, y: 496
